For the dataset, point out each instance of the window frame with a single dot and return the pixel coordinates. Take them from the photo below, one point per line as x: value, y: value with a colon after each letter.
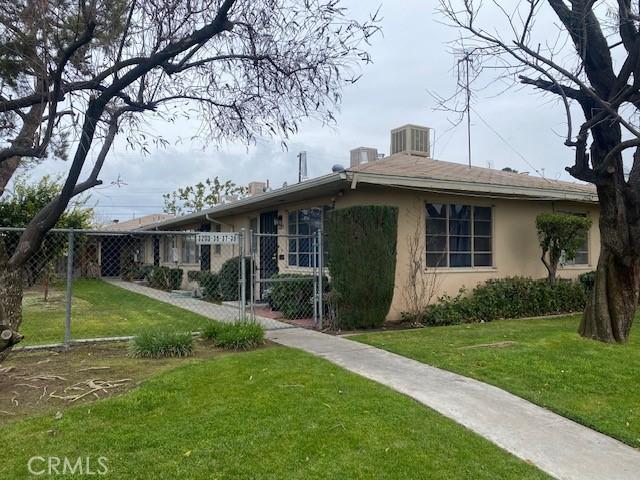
x: 471, y: 236
x: 297, y: 237
x: 183, y: 246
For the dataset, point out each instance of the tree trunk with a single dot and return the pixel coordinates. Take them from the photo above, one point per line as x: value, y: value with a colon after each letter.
x: 612, y: 306
x: 10, y: 308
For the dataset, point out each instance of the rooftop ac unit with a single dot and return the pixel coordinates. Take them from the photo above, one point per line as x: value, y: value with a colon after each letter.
x: 412, y: 140
x: 363, y: 155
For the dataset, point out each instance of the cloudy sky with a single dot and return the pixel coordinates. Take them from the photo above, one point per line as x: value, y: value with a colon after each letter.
x: 410, y: 58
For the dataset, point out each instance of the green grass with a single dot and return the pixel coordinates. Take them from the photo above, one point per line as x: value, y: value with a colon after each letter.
x: 235, y: 336
x: 542, y: 360
x: 100, y: 310
x: 272, y: 413
x: 157, y: 343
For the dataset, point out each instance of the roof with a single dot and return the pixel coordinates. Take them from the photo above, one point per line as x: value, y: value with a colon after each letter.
x: 137, y: 222
x: 463, y: 177
x: 410, y: 172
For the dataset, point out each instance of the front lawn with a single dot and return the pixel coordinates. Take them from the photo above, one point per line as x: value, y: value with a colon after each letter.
x: 99, y: 310
x: 542, y: 360
x: 271, y: 413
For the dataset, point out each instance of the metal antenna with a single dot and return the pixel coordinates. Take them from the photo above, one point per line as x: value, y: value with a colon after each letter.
x: 467, y: 59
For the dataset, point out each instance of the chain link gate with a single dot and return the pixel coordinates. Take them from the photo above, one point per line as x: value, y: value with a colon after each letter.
x: 287, y: 277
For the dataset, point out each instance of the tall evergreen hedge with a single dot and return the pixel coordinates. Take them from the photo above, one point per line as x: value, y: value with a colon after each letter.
x: 362, y: 262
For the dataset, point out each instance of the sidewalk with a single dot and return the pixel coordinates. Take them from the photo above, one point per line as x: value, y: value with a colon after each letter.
x: 556, y: 445
x: 221, y: 312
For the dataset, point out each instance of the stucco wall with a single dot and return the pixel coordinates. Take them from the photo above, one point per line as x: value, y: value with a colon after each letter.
x: 515, y: 246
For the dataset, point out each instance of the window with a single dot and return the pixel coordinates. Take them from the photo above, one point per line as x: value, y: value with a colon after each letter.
x: 188, y: 249
x: 168, y: 249
x: 459, y: 236
x: 582, y: 254
x: 303, y: 224
x: 253, y: 229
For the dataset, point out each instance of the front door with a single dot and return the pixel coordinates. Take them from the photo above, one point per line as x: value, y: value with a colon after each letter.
x: 268, y: 246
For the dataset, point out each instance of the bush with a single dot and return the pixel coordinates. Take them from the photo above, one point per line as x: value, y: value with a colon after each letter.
x: 175, y: 278
x: 165, y: 278
x: 235, y: 336
x: 142, y: 272
x: 515, y: 297
x: 588, y: 280
x: 210, y: 285
x: 229, y: 278
x: 194, y: 275
x: 362, y: 262
x: 293, y: 297
x: 161, y: 343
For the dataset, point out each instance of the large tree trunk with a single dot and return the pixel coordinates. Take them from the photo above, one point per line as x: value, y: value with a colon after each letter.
x: 612, y: 306
x: 10, y: 308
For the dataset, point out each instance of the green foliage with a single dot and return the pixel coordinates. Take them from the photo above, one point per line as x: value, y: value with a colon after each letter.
x: 587, y: 280
x: 560, y: 234
x: 161, y: 343
x: 210, y: 284
x: 165, y: 278
x: 292, y: 294
x: 199, y: 196
x: 229, y: 278
x: 235, y: 336
x: 515, y: 297
x: 194, y: 275
x: 362, y: 261
x: 28, y: 199
x: 19, y: 209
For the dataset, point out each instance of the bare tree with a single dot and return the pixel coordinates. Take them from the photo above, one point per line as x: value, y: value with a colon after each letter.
x: 76, y: 73
x: 422, y: 284
x: 591, y: 64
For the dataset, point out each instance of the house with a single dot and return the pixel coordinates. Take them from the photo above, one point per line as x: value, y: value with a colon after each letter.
x: 472, y: 223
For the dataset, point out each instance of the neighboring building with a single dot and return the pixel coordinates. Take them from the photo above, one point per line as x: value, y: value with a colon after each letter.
x: 475, y: 223
x: 135, y: 223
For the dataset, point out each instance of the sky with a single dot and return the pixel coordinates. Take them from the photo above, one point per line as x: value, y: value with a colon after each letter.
x: 519, y: 128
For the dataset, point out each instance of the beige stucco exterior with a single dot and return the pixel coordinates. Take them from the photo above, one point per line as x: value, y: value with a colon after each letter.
x: 515, y: 247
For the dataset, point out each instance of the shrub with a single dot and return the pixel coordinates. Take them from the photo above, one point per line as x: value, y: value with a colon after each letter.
x: 161, y: 343
x: 165, y: 278
x: 210, y: 285
x: 159, y: 278
x: 362, y: 262
x: 587, y: 280
x: 142, y: 272
x: 235, y: 336
x: 292, y: 294
x: 229, y: 278
x: 515, y: 297
x: 194, y: 275
x: 175, y: 278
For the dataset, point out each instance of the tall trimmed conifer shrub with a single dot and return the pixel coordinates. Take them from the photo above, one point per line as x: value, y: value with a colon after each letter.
x: 362, y: 244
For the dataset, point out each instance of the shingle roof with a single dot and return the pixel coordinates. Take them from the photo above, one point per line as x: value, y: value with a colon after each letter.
x: 403, y: 165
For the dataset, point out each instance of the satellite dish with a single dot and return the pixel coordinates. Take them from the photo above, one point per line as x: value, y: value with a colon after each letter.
x: 337, y: 168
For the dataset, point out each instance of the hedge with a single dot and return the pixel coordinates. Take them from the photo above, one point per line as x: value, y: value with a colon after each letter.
x: 515, y: 297
x: 165, y: 278
x: 292, y: 294
x: 362, y: 263
x: 229, y: 278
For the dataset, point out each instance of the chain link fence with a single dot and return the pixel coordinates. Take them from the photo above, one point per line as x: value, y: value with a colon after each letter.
x: 96, y: 284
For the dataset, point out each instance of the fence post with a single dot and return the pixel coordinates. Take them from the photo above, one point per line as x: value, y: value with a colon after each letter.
x: 252, y: 300
x: 243, y: 277
x: 314, y: 265
x: 320, y: 273
x: 69, y: 293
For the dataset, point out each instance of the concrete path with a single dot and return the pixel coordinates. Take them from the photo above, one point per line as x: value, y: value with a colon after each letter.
x: 556, y: 445
x: 214, y: 311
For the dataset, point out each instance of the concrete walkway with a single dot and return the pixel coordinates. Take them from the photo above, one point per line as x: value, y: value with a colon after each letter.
x: 214, y: 311
x: 556, y: 445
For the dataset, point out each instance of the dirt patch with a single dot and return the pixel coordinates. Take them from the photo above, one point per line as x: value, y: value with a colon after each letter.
x: 47, y: 381
x: 504, y: 344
